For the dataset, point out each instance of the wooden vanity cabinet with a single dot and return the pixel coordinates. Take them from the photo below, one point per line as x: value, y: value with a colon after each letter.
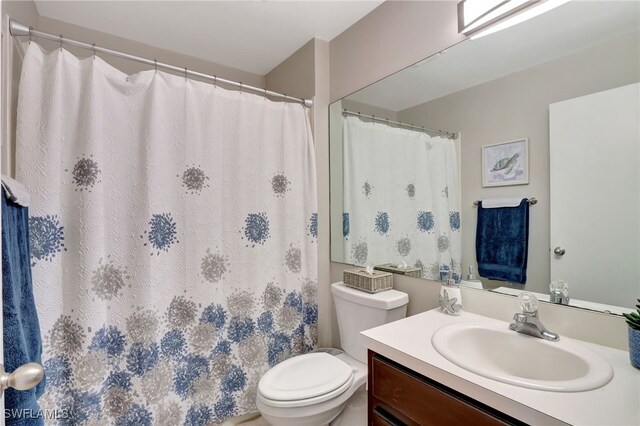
x: 399, y: 396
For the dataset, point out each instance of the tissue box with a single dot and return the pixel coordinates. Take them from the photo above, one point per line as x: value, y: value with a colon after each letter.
x: 410, y: 271
x: 372, y: 283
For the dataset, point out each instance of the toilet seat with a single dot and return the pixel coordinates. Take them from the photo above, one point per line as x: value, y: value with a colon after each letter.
x: 305, y: 380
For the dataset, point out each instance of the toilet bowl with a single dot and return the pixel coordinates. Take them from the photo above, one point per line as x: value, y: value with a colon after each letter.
x: 312, y: 389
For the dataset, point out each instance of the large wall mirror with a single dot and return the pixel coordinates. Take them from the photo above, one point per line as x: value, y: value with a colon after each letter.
x: 553, y: 106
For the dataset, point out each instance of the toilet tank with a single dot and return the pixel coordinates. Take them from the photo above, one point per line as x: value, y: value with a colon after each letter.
x: 357, y: 311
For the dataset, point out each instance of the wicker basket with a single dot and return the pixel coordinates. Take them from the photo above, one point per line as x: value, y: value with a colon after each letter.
x: 371, y: 283
x: 409, y: 271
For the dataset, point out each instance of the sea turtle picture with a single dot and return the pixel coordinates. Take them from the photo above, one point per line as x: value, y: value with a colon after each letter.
x: 507, y: 163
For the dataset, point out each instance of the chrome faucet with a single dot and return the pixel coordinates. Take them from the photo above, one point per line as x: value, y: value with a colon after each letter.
x: 528, y: 322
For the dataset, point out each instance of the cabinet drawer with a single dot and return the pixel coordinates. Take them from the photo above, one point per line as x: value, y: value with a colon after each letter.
x: 421, y: 401
x: 382, y: 417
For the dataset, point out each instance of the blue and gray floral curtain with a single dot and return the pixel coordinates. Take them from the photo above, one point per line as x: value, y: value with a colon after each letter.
x: 173, y: 240
x: 401, y: 198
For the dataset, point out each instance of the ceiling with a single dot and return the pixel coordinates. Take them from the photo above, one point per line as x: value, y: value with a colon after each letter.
x: 570, y: 28
x: 253, y: 36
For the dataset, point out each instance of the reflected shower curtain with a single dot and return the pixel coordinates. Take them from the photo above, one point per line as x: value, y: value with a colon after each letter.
x: 401, y: 198
x: 173, y: 240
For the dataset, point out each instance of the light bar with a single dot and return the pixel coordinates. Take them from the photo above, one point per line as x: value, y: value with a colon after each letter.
x: 475, y: 15
x: 521, y: 17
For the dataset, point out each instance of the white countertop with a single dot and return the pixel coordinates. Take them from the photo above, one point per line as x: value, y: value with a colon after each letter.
x: 408, y: 342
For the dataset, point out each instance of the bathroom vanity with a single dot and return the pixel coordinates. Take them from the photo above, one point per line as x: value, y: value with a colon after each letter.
x: 398, y: 395
x: 411, y: 383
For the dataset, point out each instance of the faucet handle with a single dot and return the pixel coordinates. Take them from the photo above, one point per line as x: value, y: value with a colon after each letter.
x: 528, y: 302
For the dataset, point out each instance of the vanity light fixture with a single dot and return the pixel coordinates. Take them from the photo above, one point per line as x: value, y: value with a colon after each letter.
x: 477, y: 18
x: 475, y: 15
x: 527, y: 14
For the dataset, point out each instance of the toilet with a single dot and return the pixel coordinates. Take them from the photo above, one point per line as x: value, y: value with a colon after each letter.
x: 312, y: 389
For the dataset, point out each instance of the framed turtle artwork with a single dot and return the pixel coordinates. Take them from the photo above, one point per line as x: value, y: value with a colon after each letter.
x: 506, y: 163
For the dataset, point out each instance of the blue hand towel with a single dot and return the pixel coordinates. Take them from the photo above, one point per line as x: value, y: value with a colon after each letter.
x: 22, y: 343
x: 502, y: 241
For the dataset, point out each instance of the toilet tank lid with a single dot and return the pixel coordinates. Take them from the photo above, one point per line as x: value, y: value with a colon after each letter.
x: 388, y: 299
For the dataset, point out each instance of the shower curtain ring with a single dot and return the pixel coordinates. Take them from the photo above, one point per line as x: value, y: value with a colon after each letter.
x: 93, y: 45
x: 240, y: 87
x: 185, y: 73
x: 215, y: 81
x: 155, y: 65
x: 30, y: 31
x: 61, y: 41
x: 265, y: 93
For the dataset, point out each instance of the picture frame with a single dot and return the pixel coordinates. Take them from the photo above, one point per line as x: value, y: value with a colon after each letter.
x: 506, y: 163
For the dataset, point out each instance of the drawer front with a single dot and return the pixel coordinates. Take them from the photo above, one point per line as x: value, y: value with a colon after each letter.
x: 420, y: 401
x: 382, y: 417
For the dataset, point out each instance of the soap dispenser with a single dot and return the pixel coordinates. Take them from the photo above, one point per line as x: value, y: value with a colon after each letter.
x: 450, y: 294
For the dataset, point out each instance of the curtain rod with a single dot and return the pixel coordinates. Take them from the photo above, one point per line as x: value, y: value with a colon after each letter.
x: 18, y: 29
x: 450, y: 135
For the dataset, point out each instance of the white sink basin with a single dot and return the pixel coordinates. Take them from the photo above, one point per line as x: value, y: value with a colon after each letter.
x: 495, y: 352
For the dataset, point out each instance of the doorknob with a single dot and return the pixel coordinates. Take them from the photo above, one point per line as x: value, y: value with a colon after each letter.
x: 25, y: 377
x: 559, y: 251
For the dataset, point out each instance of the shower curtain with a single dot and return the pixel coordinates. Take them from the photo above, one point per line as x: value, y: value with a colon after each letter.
x: 173, y: 240
x: 401, y: 198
